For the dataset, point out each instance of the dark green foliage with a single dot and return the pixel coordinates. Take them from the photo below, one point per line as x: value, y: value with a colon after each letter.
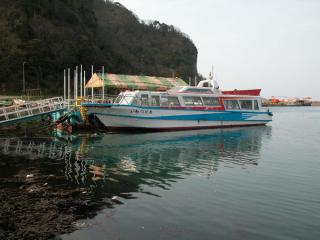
x: 51, y: 35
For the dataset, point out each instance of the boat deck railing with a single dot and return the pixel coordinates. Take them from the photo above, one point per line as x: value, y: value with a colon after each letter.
x: 98, y: 99
x: 31, y: 109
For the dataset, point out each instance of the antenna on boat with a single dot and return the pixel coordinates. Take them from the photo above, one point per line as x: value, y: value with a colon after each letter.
x: 214, y: 82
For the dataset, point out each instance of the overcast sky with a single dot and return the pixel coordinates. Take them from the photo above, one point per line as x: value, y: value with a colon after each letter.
x: 268, y: 44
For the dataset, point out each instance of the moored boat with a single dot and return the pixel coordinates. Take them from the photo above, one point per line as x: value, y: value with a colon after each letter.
x: 182, y: 108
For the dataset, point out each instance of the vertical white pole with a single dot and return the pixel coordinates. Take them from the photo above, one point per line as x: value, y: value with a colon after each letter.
x: 74, y: 81
x: 102, y: 83
x: 84, y: 83
x: 81, y: 81
x: 91, y: 87
x: 195, y: 81
x: 92, y: 94
x: 77, y: 75
x: 64, y: 85
x: 74, y: 85
x: 68, y: 88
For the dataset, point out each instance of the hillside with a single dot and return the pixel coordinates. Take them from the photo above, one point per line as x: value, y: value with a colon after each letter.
x: 50, y: 35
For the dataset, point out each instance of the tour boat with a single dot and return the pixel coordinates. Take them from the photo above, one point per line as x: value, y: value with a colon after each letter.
x: 182, y: 108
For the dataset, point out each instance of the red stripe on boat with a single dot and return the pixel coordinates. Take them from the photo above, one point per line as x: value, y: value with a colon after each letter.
x: 251, y: 92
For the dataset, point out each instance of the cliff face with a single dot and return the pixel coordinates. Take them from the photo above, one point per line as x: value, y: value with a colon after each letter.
x: 50, y: 35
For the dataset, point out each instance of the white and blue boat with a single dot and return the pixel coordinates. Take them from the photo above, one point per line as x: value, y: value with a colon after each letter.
x: 182, y: 108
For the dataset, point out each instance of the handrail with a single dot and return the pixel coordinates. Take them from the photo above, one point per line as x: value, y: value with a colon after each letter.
x: 30, y: 109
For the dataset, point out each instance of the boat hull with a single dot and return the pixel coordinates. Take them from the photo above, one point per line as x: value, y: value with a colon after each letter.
x: 120, y: 118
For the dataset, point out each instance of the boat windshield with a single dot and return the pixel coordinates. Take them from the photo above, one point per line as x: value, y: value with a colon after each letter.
x: 118, y: 99
x: 126, y: 99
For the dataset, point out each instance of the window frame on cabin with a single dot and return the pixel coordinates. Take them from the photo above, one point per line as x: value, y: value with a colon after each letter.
x: 214, y: 103
x: 226, y: 106
x: 192, y: 101
x: 244, y: 107
x: 155, y: 103
x: 162, y: 103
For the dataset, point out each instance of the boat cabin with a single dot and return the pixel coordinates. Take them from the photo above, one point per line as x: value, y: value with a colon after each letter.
x: 191, y: 98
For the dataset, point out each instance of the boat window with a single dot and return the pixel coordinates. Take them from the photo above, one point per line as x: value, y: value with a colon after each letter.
x: 231, y: 104
x: 144, y: 100
x: 246, y: 104
x: 192, y: 101
x: 155, y: 100
x: 211, y: 101
x: 256, y: 105
x: 135, y: 101
x: 169, y: 101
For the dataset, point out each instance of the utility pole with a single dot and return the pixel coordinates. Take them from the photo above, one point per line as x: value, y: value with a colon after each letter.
x: 23, y: 79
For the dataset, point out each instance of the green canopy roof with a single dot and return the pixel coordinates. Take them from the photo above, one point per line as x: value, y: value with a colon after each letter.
x: 119, y: 81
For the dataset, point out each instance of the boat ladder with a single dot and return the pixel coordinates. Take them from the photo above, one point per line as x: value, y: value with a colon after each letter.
x: 31, y: 109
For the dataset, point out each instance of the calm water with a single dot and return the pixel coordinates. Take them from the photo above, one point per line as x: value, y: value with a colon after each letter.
x: 244, y: 183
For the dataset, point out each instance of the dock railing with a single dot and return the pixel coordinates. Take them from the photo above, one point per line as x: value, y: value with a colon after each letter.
x: 31, y: 109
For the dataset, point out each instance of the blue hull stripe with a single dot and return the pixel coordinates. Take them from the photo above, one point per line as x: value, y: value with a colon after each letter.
x: 101, y: 105
x: 228, y: 116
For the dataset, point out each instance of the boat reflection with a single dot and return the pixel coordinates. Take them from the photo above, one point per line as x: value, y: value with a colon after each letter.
x: 160, y: 158
x: 155, y: 159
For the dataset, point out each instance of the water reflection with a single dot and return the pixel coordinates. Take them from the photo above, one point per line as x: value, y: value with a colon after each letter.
x: 34, y: 148
x: 158, y: 159
x: 79, y: 175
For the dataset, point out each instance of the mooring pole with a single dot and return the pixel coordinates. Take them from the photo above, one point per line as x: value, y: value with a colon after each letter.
x: 68, y: 88
x: 77, y: 75
x: 84, y: 83
x: 91, y: 87
x: 74, y: 85
x: 64, y: 84
x: 81, y: 80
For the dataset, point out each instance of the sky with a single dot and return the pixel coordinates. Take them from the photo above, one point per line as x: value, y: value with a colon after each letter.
x: 268, y: 44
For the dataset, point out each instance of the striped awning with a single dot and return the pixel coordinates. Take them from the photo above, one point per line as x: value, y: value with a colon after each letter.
x: 132, y: 82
